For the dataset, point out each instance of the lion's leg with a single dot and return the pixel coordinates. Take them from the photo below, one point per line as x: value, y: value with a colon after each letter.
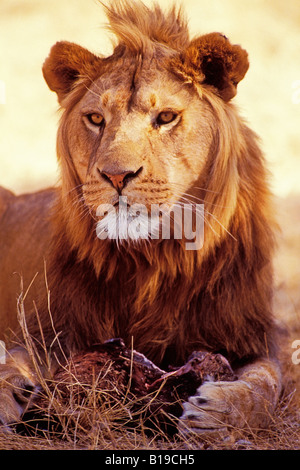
x: 18, y: 385
x: 247, y: 403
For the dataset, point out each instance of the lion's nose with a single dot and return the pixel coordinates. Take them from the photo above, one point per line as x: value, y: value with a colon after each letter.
x: 119, y: 180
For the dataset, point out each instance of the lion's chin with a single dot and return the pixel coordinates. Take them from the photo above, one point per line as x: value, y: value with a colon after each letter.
x: 133, y: 223
x: 120, y: 226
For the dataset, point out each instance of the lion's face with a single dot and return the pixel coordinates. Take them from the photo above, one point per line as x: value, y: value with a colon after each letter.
x: 140, y: 124
x: 139, y: 134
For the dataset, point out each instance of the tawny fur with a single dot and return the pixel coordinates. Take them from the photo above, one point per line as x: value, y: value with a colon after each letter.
x: 166, y: 299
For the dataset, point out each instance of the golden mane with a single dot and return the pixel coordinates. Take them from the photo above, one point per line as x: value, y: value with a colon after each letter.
x: 136, y: 26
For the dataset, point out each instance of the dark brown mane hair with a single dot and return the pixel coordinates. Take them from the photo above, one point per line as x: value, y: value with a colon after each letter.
x: 170, y: 301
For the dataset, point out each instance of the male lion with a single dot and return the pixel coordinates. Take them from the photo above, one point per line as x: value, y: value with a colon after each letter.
x: 154, y: 123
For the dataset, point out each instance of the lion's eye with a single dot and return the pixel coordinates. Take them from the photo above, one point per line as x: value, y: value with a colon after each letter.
x: 165, y: 117
x: 95, y: 119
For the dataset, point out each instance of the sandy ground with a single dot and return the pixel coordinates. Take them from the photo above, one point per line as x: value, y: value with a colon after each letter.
x: 269, y: 98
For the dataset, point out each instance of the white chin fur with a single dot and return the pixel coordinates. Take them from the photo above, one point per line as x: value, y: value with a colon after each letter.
x: 122, y: 226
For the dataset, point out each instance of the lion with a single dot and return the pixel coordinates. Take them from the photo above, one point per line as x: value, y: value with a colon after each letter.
x: 153, y: 123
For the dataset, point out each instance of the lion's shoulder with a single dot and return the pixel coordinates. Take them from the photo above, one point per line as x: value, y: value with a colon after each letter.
x: 6, y: 197
x: 25, y: 228
x: 25, y: 221
x: 31, y: 206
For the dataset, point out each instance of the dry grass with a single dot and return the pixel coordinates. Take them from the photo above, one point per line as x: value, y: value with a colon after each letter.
x: 269, y: 30
x: 99, y: 415
x: 108, y: 428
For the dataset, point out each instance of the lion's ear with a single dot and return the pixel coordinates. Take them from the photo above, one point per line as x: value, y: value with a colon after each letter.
x: 66, y: 63
x: 214, y: 61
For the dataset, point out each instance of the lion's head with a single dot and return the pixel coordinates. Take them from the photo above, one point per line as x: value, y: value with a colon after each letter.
x: 147, y: 122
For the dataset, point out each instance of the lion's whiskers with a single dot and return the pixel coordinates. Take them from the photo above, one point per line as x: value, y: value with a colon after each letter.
x: 181, y: 185
x: 182, y: 199
x: 202, y: 213
x: 83, y: 209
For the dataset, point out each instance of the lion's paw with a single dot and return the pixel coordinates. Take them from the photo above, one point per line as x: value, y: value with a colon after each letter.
x: 217, y: 407
x: 16, y: 392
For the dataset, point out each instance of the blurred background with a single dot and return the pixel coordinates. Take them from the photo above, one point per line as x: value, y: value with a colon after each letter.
x: 268, y: 97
